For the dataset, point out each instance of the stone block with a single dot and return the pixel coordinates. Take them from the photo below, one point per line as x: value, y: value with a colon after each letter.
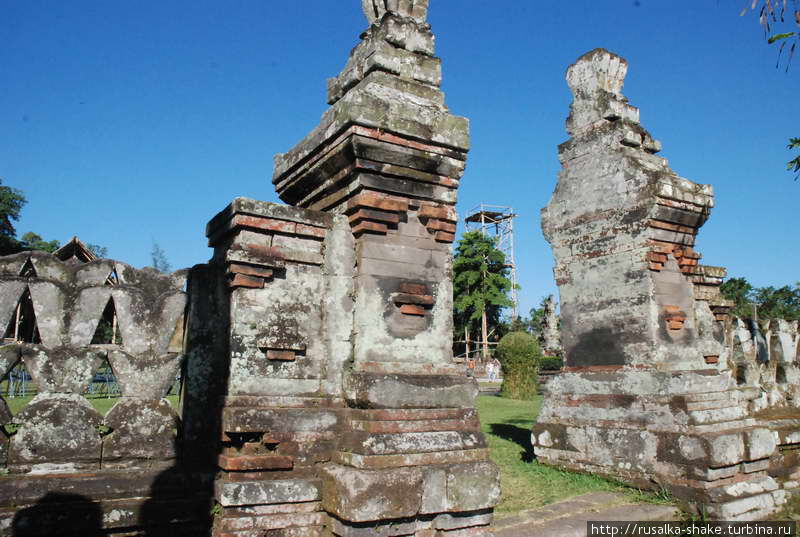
x: 273, y: 491
x: 453, y: 521
x: 725, y: 449
x: 419, y: 442
x: 375, y: 462
x: 471, y: 487
x: 243, y: 463
x: 741, y: 489
x: 57, y: 433
x: 368, y: 495
x: 367, y: 390
x: 759, y: 443
x: 243, y: 419
x: 434, y: 491
x: 142, y: 433
x: 737, y: 509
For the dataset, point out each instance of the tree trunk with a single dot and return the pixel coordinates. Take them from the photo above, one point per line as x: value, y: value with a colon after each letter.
x: 485, y: 336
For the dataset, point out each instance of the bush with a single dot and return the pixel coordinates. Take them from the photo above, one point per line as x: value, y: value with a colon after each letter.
x: 519, y: 356
x: 551, y: 363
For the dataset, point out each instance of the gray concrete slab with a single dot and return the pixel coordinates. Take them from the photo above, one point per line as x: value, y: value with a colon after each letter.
x: 568, y: 518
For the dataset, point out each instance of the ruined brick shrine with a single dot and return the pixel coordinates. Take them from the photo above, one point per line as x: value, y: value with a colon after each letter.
x: 320, y: 396
x: 660, y: 388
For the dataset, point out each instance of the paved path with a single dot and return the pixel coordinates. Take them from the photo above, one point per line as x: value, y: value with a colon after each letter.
x: 568, y: 518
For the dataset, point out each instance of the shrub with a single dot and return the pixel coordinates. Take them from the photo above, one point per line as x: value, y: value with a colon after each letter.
x: 519, y: 356
x: 551, y: 363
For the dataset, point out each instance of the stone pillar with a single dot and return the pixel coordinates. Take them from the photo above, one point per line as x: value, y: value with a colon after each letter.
x: 647, y: 393
x: 387, y: 158
x: 285, y: 315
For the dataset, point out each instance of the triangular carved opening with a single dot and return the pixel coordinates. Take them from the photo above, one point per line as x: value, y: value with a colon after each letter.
x: 107, y: 331
x: 22, y: 327
x: 103, y: 385
x: 113, y: 278
x: 17, y: 388
x: 28, y: 270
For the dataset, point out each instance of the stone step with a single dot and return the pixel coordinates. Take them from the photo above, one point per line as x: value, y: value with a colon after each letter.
x: 568, y: 518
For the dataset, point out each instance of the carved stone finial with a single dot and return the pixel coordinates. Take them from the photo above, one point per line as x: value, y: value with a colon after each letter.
x: 596, y: 80
x: 597, y: 70
x: 376, y: 9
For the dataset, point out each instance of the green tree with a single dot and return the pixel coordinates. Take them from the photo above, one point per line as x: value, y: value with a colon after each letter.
x: 159, y: 258
x: 740, y: 291
x: 519, y: 354
x: 33, y: 241
x: 778, y: 303
x: 532, y: 324
x: 480, y: 284
x: 537, y: 319
x: 98, y: 251
x: 11, y: 203
x: 767, y: 302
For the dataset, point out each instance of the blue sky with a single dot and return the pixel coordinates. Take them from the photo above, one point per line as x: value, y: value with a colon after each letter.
x: 127, y: 123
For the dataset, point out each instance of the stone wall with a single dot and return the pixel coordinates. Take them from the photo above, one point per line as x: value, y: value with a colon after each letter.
x: 764, y: 356
x: 764, y: 361
x: 649, y: 391
x: 68, y: 469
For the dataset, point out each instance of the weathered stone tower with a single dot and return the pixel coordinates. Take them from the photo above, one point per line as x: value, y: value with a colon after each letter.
x: 343, y: 410
x: 647, y: 393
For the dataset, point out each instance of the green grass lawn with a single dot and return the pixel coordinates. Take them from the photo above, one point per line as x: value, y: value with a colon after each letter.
x: 527, y: 484
x: 101, y: 404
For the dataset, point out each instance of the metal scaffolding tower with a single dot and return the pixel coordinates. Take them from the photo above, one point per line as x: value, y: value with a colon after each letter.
x: 497, y: 221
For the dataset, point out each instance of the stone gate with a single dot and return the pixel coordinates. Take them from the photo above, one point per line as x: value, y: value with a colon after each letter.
x: 320, y: 396
x: 659, y: 387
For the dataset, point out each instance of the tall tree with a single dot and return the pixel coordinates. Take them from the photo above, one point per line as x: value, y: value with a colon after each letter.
x: 739, y: 290
x: 98, y: 251
x: 11, y: 203
x: 159, y: 258
x: 480, y: 284
x: 532, y: 324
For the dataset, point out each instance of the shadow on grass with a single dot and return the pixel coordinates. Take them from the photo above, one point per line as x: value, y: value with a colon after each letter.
x: 518, y: 435
x: 526, y: 421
